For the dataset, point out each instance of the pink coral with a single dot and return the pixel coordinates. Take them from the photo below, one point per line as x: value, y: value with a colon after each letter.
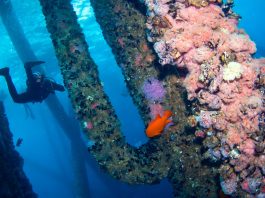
x: 181, y: 44
x: 228, y: 92
x: 200, y: 134
x: 260, y: 162
x: 248, y: 147
x: 219, y: 123
x: 205, y: 118
x: 239, y: 43
x: 229, y: 185
x: 213, y: 101
x: 245, y: 186
x: 250, y: 185
x: 204, y: 41
x: 156, y: 109
x: 242, y: 163
x: 199, y: 55
x: 233, y: 136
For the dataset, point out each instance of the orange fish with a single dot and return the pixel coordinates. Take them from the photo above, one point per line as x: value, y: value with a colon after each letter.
x: 157, y: 125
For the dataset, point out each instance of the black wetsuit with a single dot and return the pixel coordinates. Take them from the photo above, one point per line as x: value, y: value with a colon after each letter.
x: 36, y: 91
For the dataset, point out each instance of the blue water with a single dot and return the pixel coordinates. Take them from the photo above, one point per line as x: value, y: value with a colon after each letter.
x: 45, y: 149
x: 252, y: 13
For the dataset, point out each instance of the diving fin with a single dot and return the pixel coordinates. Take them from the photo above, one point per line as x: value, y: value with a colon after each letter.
x: 4, y: 71
x: 33, y: 63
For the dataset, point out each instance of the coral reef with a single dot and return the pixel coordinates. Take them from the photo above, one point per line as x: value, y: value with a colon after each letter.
x: 13, y: 181
x: 223, y: 83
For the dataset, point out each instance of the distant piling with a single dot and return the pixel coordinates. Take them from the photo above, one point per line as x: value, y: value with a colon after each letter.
x: 13, y: 181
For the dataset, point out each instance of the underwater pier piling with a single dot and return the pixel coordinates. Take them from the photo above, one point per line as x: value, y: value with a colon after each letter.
x: 81, y: 78
x: 15, y: 31
x: 172, y: 155
x: 13, y: 181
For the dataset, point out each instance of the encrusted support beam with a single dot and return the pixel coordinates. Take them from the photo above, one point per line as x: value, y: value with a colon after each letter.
x: 172, y: 155
x: 13, y: 181
x: 80, y: 74
x: 129, y: 46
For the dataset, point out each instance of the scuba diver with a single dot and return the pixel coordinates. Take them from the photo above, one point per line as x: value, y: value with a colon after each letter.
x: 38, y: 86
